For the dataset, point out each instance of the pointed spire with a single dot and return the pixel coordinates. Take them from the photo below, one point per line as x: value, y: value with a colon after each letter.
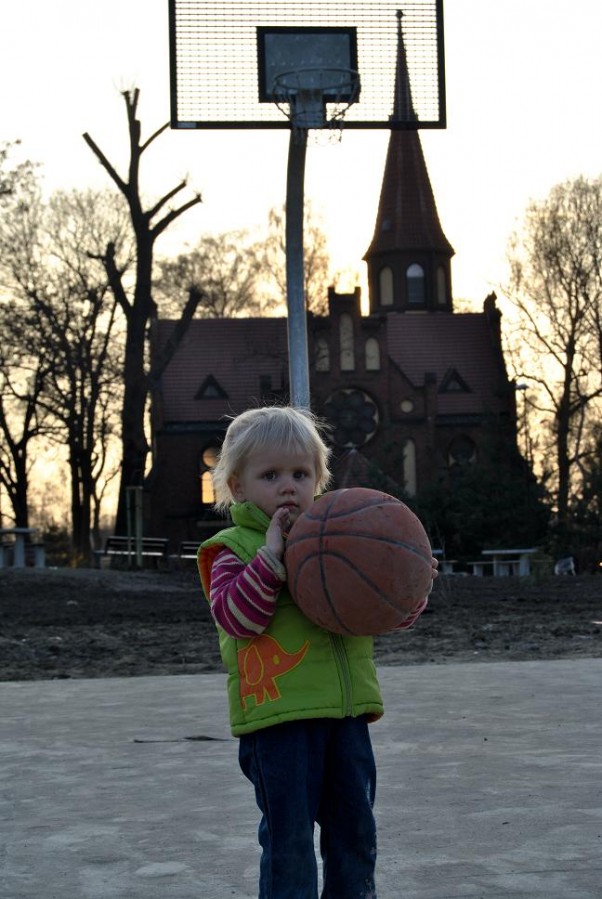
x: 403, y: 104
x: 407, y: 217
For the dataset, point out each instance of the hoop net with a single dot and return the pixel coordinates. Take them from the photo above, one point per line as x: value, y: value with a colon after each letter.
x: 316, y: 98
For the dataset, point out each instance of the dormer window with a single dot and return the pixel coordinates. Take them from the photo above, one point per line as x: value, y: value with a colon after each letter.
x: 415, y: 285
x: 210, y: 389
x: 453, y: 382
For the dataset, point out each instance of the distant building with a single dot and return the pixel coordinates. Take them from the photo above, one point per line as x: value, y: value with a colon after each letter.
x: 411, y: 390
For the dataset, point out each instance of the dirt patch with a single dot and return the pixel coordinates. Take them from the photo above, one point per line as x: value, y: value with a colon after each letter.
x: 61, y: 623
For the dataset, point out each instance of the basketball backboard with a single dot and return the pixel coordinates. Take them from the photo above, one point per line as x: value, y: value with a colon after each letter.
x: 226, y: 56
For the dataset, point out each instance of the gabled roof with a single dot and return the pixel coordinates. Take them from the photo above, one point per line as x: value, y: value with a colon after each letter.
x: 440, y: 344
x: 243, y: 355
x: 232, y: 353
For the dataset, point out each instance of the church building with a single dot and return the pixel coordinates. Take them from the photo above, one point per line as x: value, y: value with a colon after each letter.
x: 411, y: 390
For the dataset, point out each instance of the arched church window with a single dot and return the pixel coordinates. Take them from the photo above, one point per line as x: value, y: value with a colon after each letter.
x: 441, y: 287
x: 207, y: 491
x: 346, y: 343
x: 385, y: 285
x: 207, y: 463
x: 409, y: 467
x: 415, y: 285
x: 322, y: 354
x: 372, y: 354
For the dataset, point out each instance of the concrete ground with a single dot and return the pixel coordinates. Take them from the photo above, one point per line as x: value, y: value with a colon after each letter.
x: 490, y: 785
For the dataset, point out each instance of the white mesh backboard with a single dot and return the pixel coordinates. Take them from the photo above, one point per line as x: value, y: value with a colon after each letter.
x: 220, y: 79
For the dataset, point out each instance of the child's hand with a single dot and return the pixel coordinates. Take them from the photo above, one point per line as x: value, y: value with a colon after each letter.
x: 274, y: 538
x: 435, y: 573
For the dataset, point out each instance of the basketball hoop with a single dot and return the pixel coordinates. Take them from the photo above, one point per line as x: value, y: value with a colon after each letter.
x: 307, y: 69
x: 226, y: 54
x: 316, y: 98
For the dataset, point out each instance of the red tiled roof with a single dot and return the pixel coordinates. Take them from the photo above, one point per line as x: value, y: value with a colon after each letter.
x: 439, y: 343
x: 236, y: 352
x: 407, y: 217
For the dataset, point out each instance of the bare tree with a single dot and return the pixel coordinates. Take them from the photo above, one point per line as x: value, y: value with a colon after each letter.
x: 83, y: 327
x: 316, y: 261
x: 21, y: 420
x: 556, y: 288
x: 224, y: 268
x: 13, y: 174
x: 63, y: 324
x: 138, y: 305
x: 21, y: 378
x: 586, y: 510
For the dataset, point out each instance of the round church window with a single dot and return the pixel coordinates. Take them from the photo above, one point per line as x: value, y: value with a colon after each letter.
x: 353, y: 416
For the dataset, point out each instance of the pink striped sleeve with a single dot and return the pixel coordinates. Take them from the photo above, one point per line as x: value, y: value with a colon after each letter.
x: 243, y: 597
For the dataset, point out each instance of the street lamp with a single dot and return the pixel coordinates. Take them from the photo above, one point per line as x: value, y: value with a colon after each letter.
x: 523, y: 387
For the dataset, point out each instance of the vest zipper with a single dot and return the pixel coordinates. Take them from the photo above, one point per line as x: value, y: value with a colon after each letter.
x: 342, y: 662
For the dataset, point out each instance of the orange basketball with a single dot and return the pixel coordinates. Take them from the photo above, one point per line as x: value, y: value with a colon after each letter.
x: 358, y: 562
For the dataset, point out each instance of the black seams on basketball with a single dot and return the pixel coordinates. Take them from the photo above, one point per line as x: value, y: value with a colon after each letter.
x: 358, y: 562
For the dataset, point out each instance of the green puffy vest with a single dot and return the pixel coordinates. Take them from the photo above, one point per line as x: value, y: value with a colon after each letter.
x: 294, y: 669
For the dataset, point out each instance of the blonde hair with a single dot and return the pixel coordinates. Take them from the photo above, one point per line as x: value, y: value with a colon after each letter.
x: 286, y: 427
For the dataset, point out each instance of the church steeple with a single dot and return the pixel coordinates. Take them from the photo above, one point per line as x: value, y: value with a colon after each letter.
x: 409, y: 258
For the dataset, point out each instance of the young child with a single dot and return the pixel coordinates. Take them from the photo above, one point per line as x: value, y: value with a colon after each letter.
x: 300, y: 697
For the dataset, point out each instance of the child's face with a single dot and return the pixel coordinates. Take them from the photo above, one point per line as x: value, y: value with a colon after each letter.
x: 275, y: 478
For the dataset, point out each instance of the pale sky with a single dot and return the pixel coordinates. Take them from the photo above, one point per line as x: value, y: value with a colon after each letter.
x: 523, y: 108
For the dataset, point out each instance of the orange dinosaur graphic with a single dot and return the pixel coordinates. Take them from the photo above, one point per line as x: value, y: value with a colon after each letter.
x: 261, y: 661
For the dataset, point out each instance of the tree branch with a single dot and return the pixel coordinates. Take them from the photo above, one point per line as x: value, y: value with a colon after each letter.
x: 163, y: 358
x: 105, y: 162
x: 114, y: 278
x: 154, y: 136
x: 168, y: 196
x: 173, y: 215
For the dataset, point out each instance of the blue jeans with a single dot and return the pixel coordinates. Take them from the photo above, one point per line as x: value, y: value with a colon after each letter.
x: 320, y: 770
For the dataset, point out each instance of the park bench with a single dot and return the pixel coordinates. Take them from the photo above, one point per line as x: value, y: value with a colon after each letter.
x: 510, y: 562
x: 188, y: 549
x: 154, y: 548
x: 480, y: 567
x: 5, y: 554
x: 185, y: 556
x: 19, y: 550
x: 503, y: 563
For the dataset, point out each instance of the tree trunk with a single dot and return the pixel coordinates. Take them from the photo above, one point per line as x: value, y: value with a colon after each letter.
x: 19, y: 494
x: 140, y: 310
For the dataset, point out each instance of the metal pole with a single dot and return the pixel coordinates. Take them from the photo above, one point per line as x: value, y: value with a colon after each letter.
x: 128, y: 517
x: 138, y: 524
x: 133, y: 499
x: 295, y: 281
